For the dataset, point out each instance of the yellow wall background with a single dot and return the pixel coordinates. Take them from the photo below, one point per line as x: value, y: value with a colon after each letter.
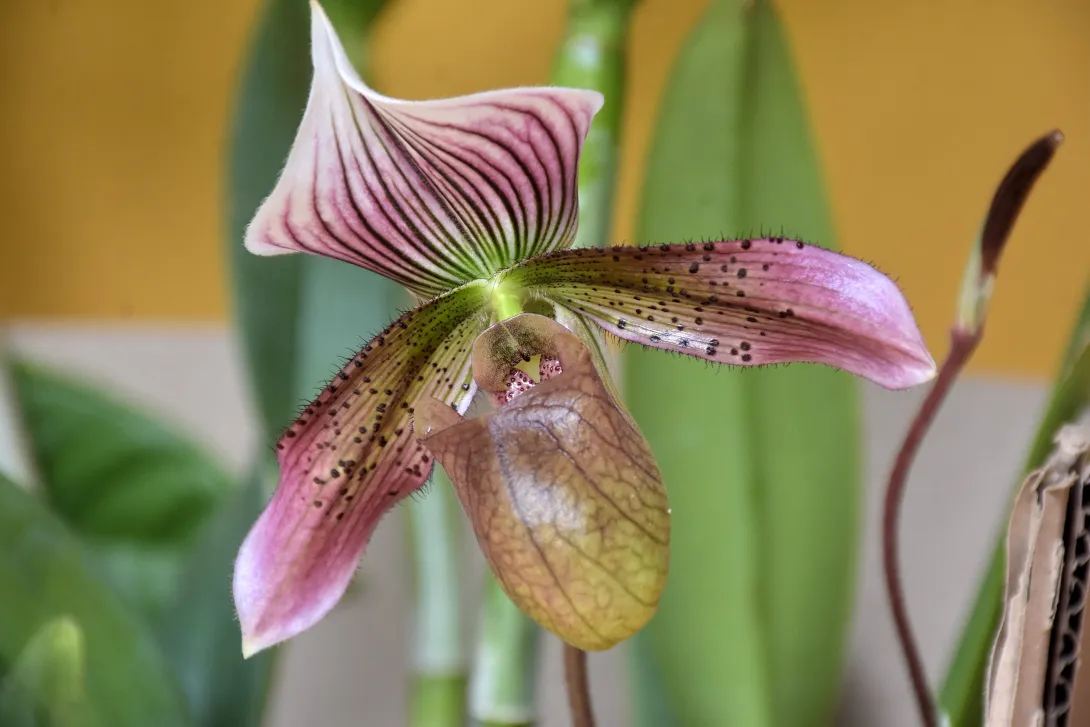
x: 113, y: 125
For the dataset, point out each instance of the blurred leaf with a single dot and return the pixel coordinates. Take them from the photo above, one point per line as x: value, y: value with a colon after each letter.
x: 112, y: 472
x: 45, y: 687
x: 147, y: 576
x: 200, y: 633
x: 299, y: 315
x: 270, y: 103
x: 962, y: 696
x: 762, y: 467
x: 45, y: 574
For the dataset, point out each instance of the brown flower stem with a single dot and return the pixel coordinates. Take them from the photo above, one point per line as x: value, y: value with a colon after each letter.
x: 962, y: 345
x: 575, y: 678
x: 1007, y: 203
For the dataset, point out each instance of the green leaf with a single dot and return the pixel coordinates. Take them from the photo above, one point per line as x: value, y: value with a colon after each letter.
x: 200, y: 632
x: 962, y: 695
x: 762, y: 467
x: 45, y: 574
x: 112, y: 472
x: 46, y: 685
x: 269, y: 106
x: 299, y: 315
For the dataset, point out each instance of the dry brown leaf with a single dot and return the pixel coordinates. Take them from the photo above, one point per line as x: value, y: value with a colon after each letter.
x: 1033, y: 661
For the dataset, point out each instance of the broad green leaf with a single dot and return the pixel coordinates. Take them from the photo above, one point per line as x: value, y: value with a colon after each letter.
x: 762, y: 467
x: 112, y: 472
x: 133, y: 489
x: 200, y: 632
x: 46, y: 686
x: 962, y: 695
x: 45, y: 574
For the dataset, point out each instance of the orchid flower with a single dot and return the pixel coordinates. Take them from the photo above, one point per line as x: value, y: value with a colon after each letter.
x: 471, y: 204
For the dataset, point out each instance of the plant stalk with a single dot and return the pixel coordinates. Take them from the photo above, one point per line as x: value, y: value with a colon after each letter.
x: 505, y: 671
x: 438, y: 691
x: 977, y: 287
x: 575, y: 677
x: 962, y: 345
x: 592, y: 55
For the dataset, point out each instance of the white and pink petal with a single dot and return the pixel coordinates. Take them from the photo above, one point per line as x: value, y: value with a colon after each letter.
x: 742, y: 302
x: 431, y: 194
x: 348, y: 459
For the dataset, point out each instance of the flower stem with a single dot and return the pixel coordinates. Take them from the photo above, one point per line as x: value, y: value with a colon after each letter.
x: 965, y: 336
x: 962, y: 345
x: 575, y: 677
x: 437, y: 697
x: 504, y: 676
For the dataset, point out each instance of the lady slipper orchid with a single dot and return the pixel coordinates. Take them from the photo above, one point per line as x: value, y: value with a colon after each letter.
x: 471, y: 204
x: 562, y: 489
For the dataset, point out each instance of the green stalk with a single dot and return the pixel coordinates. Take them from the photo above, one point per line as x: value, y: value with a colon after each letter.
x: 438, y: 691
x: 592, y: 55
x: 505, y: 667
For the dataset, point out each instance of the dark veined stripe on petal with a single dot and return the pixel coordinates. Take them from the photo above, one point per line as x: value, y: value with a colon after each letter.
x: 346, y: 461
x: 743, y: 302
x: 429, y: 193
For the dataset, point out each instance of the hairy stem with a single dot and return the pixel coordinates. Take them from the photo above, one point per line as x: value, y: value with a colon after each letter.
x: 977, y: 286
x: 575, y: 678
x: 962, y: 345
